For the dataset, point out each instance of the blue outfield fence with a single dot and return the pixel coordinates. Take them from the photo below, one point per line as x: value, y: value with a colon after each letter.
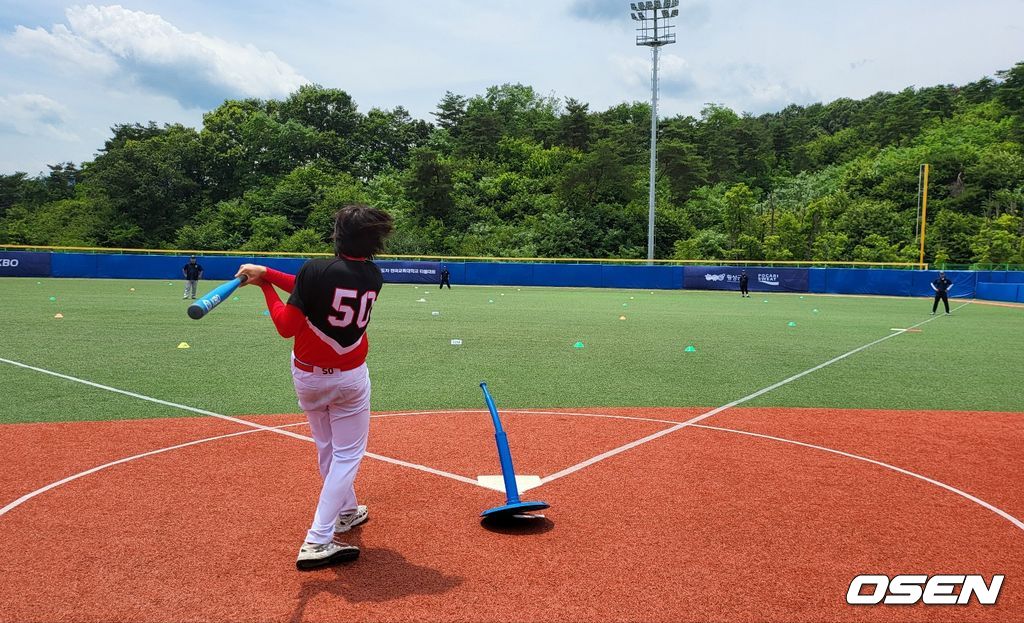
x: 759, y: 279
x: 997, y: 276
x: 569, y: 275
x: 410, y: 272
x: 1009, y: 292
x: 993, y: 285
x: 23, y: 264
x: 891, y: 282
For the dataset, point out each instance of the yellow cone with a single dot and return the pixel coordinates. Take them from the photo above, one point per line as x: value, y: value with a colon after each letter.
x: 622, y: 317
x: 184, y: 345
x: 59, y: 315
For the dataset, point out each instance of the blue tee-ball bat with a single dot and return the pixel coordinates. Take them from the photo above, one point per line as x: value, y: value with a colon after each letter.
x: 215, y: 297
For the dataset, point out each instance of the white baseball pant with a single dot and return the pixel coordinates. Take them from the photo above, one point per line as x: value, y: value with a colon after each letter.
x: 337, y: 405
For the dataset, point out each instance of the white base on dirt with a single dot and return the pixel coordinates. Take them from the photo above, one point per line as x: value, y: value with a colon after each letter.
x: 524, y: 483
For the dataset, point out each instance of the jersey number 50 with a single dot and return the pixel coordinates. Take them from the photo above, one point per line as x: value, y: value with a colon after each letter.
x: 347, y: 312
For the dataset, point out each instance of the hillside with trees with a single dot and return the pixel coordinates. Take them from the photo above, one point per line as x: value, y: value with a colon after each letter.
x: 514, y: 173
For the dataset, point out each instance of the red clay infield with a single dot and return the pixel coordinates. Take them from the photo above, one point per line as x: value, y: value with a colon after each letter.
x: 697, y: 525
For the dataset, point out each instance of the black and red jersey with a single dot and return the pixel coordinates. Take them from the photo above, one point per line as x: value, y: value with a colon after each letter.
x: 328, y: 311
x: 337, y: 297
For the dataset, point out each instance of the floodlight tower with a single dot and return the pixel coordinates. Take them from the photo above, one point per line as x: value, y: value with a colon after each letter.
x: 654, y: 30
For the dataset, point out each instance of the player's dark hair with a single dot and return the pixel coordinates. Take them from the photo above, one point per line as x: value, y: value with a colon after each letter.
x: 359, y: 230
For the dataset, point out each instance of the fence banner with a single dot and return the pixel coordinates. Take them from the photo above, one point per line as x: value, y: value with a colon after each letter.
x: 759, y: 279
x: 409, y: 272
x: 24, y: 264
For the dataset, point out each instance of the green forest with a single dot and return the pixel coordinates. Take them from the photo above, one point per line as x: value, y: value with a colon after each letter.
x: 514, y: 173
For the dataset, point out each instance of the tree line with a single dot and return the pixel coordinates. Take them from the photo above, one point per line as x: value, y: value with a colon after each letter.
x: 515, y: 173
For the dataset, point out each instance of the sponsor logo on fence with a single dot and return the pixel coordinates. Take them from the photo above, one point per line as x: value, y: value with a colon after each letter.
x: 408, y: 271
x: 938, y: 590
x: 11, y: 263
x: 771, y: 279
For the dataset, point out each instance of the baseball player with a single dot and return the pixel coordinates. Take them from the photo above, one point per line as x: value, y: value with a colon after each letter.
x: 327, y: 314
x: 192, y: 272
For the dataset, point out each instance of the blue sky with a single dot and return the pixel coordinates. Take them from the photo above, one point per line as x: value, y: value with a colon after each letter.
x: 71, y: 71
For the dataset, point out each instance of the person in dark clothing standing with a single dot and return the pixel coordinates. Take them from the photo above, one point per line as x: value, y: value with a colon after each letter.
x: 941, y: 287
x: 444, y: 278
x: 192, y: 272
x: 743, y: 284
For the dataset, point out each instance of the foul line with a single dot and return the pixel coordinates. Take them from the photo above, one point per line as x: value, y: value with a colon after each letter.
x: 980, y: 502
x: 998, y: 511
x: 1016, y: 522
x: 28, y: 496
x: 287, y: 433
x: 704, y: 416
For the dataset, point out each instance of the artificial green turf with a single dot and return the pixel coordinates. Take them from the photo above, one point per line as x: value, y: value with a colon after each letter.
x: 521, y: 344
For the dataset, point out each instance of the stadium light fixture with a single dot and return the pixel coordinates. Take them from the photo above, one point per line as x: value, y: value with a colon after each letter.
x: 654, y: 31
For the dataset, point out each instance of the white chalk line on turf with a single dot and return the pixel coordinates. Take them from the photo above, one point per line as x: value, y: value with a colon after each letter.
x: 963, y: 494
x: 28, y: 496
x: 639, y: 442
x: 287, y: 433
x: 1016, y: 522
x: 155, y: 400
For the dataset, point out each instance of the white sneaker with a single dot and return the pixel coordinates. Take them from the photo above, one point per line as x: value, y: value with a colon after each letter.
x: 313, y: 555
x: 350, y: 520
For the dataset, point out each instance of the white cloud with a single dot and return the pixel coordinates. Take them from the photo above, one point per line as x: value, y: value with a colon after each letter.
x: 753, y: 88
x: 144, y: 49
x: 675, y: 76
x: 62, y: 47
x: 32, y: 114
x: 692, y: 14
x: 743, y: 87
x: 633, y: 71
x: 599, y: 10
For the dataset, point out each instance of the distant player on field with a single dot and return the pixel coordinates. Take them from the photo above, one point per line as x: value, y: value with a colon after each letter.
x: 192, y: 272
x: 327, y: 314
x: 444, y: 278
x: 743, y: 284
x: 941, y: 287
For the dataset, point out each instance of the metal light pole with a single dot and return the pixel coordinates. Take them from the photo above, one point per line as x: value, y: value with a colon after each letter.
x: 654, y: 30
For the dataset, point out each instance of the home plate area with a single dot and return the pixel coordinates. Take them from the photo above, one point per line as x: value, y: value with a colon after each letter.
x: 541, y: 442
x: 497, y: 482
x: 700, y: 524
